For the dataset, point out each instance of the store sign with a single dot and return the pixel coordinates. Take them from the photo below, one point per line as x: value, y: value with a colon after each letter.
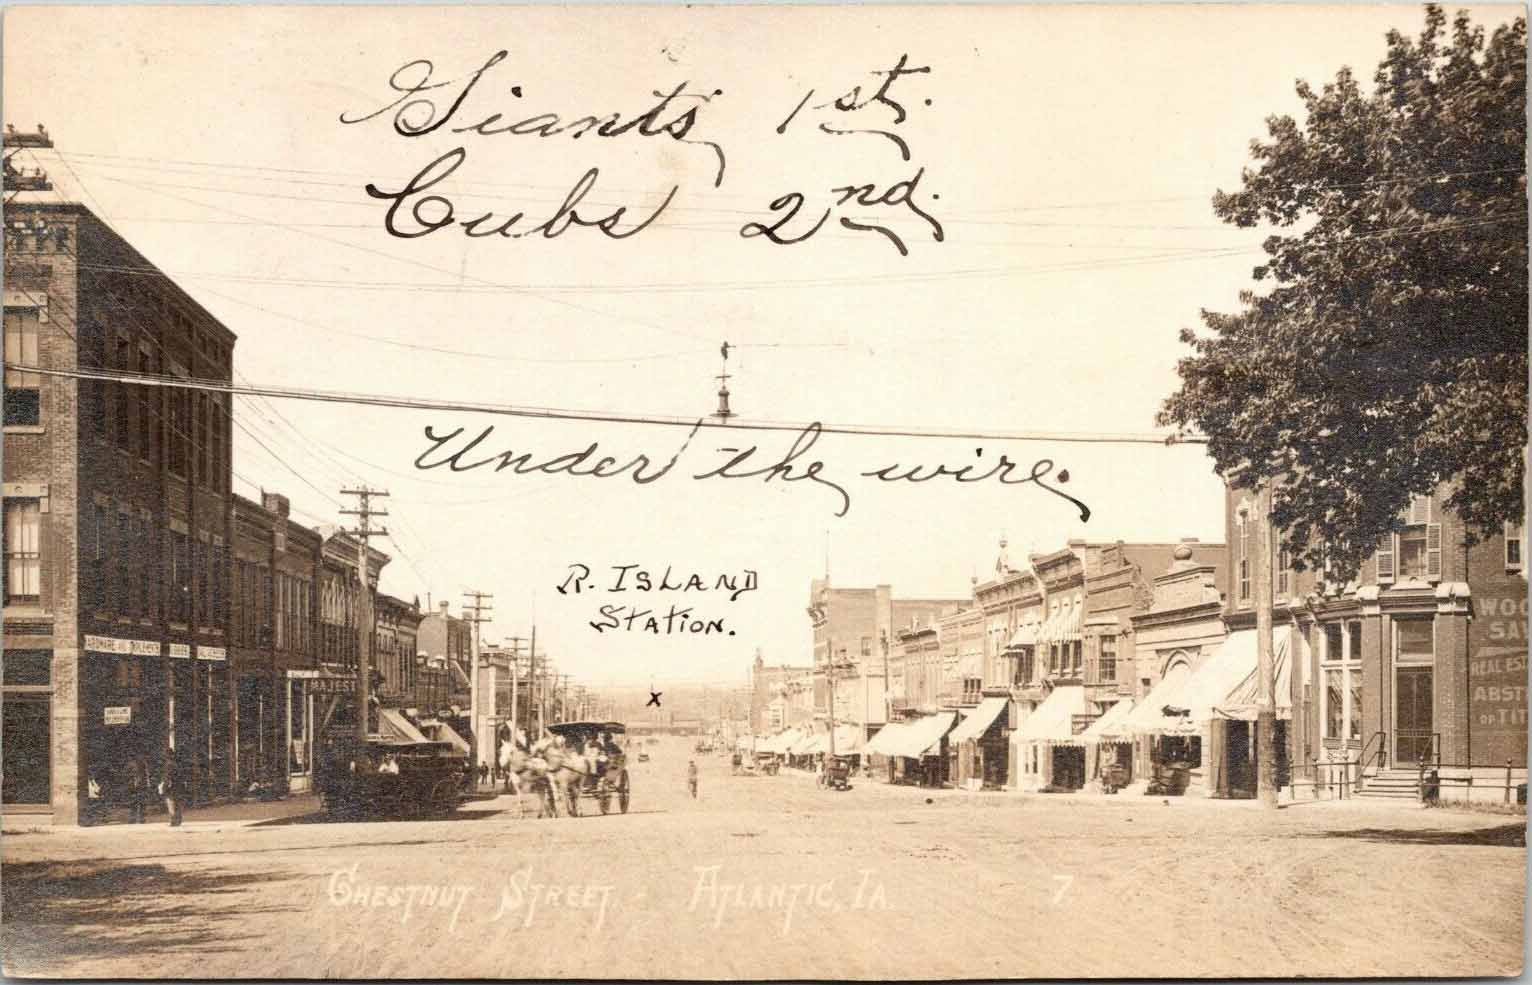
x: 332, y: 685
x: 1497, y: 674
x: 112, y: 644
x: 117, y: 716
x: 211, y: 653
x: 180, y: 650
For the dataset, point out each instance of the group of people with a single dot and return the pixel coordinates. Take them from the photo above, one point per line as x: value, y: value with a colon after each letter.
x: 142, y: 789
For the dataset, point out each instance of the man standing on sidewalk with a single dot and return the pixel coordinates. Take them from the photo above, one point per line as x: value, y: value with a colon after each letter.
x: 691, y: 777
x: 138, y: 787
x: 170, y: 788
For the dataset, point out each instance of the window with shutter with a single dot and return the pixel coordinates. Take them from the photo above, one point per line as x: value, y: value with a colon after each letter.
x: 1386, y: 561
x: 1420, y: 509
x: 1284, y: 564
x: 1433, y: 552
x: 1513, y: 546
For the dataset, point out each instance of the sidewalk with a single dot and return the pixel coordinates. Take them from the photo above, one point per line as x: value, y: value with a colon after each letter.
x: 237, y: 812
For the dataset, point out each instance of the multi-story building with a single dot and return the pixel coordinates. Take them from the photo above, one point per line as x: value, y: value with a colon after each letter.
x: 1422, y: 656
x: 765, y: 681
x: 1083, y: 649
x: 118, y: 521
x: 273, y: 643
x: 447, y: 643
x: 396, y: 646
x: 853, y: 631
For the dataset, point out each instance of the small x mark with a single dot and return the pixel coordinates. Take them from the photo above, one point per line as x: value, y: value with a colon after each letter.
x: 654, y: 698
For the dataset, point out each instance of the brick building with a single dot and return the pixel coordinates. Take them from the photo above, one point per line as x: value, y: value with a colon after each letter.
x: 1422, y: 655
x: 767, y: 685
x: 447, y: 645
x: 118, y: 521
x: 854, y: 628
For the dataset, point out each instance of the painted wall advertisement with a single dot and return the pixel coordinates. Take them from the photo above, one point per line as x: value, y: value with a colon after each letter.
x: 1497, y: 675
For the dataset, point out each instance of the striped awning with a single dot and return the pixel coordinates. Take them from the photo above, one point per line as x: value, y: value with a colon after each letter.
x: 1053, y: 720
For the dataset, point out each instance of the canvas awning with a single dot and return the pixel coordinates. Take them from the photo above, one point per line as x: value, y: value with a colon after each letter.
x: 848, y: 740
x: 1063, y: 626
x: 1026, y: 635
x: 1053, y: 720
x: 921, y: 736
x: 886, y: 740
x: 1149, y: 717
x: 393, y: 725
x: 1212, y: 683
x: 1240, y: 702
x: 979, y: 720
x: 1111, y: 726
x: 803, y: 745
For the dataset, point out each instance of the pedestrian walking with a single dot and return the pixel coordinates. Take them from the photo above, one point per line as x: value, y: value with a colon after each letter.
x: 691, y: 777
x: 170, y: 788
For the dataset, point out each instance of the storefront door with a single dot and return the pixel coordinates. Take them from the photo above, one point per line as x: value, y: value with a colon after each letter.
x: 1412, y: 716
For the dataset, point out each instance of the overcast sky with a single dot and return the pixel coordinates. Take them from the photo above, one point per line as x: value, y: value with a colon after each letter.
x: 1069, y: 155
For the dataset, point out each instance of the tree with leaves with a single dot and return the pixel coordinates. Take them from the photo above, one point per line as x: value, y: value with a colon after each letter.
x: 1387, y: 349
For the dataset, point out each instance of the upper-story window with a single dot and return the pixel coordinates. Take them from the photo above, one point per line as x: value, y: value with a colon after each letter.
x: 23, y: 389
x: 1242, y: 560
x: 1514, y: 546
x: 23, y: 557
x: 1107, y: 670
x: 1416, y: 551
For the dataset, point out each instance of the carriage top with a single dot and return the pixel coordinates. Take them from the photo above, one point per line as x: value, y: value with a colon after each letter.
x: 586, y: 730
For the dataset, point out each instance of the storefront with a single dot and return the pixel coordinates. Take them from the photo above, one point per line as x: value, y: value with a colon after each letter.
x: 26, y: 741
x: 979, y: 745
x: 1109, y: 746
x: 913, y: 751
x: 1052, y: 758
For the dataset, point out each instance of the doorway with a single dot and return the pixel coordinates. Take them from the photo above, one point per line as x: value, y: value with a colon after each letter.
x: 1412, y: 714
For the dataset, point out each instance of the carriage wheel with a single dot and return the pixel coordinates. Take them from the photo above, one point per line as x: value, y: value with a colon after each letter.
x: 622, y: 792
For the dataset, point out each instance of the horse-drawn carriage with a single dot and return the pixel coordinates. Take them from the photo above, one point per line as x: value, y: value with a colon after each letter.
x: 583, y: 759
x: 389, y: 775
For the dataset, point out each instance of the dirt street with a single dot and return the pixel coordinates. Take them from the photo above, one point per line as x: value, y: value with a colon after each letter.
x: 773, y: 877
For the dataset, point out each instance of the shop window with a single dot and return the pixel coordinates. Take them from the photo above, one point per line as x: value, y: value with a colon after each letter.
x: 23, y: 389
x: 23, y: 560
x: 1335, y: 702
x: 26, y: 767
x: 1108, y: 667
x: 1514, y: 546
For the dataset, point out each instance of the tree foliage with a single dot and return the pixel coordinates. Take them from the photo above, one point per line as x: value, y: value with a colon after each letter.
x: 1386, y: 349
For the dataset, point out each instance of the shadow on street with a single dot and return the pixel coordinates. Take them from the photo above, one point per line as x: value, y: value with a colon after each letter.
x: 58, y: 911
x: 1500, y: 836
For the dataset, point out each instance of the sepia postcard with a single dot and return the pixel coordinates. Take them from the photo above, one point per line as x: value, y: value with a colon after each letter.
x: 764, y: 492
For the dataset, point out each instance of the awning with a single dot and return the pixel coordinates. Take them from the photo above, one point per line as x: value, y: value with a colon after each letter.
x: 1111, y: 726
x: 1149, y: 717
x: 1026, y: 635
x: 848, y: 740
x: 803, y: 745
x: 440, y: 731
x: 1240, y: 702
x: 1053, y: 720
x: 1211, y: 684
x: 1062, y: 626
x: 979, y: 720
x: 886, y: 740
x: 392, y: 724
x: 920, y: 736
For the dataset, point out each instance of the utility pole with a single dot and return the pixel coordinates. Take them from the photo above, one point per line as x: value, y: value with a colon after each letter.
x: 533, y: 692
x: 476, y: 613
x: 365, y: 514
x: 515, y: 683
x: 1265, y: 713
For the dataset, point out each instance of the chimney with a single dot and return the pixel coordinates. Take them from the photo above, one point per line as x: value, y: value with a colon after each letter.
x: 275, y: 503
